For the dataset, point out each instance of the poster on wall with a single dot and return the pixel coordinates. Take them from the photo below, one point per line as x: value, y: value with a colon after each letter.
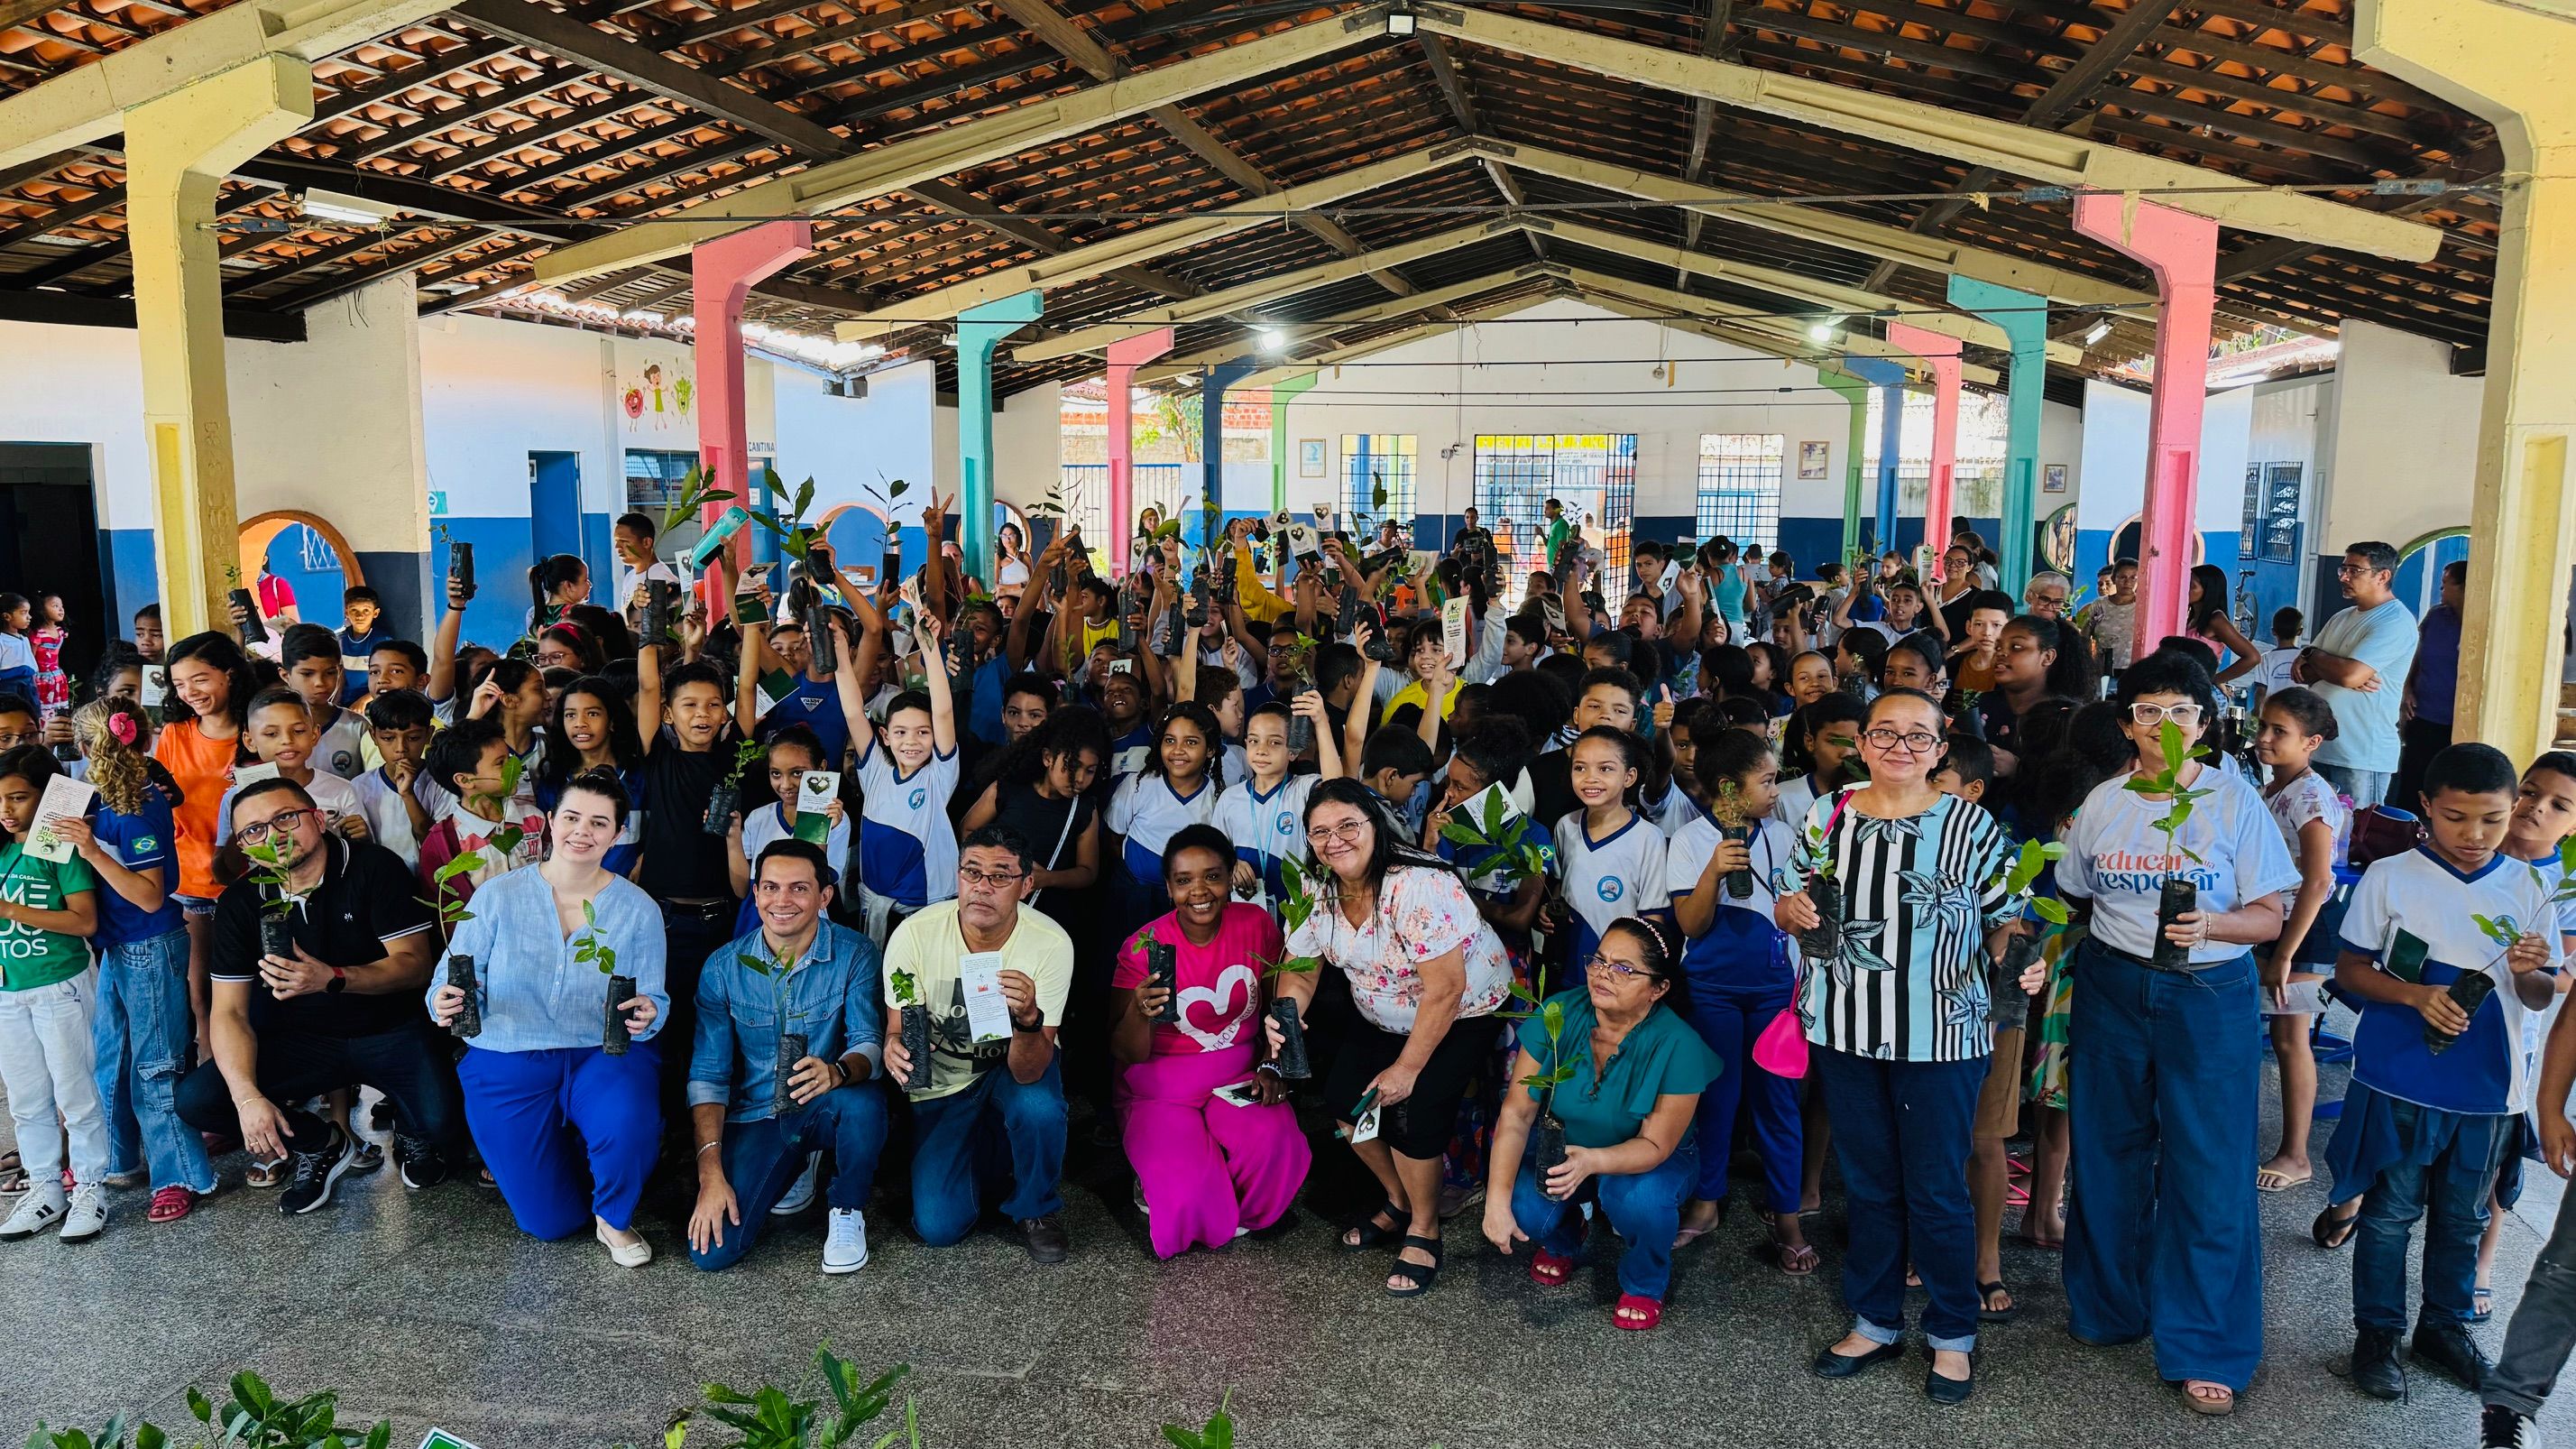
x: 2052, y: 479
x: 655, y: 394
x: 2057, y: 539
x: 1812, y: 460
x: 1310, y: 457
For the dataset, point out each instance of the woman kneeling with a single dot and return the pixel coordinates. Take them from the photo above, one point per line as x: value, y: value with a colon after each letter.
x: 1211, y: 1167
x: 1622, y: 1072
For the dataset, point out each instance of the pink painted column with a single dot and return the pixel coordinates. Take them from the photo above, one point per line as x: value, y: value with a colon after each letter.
x: 1124, y: 358
x: 2182, y: 251
x: 1941, y: 354
x: 721, y: 274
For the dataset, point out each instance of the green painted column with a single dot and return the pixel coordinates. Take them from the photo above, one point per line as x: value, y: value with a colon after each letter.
x: 1280, y: 394
x: 2024, y: 319
x: 979, y: 331
x: 1855, y: 392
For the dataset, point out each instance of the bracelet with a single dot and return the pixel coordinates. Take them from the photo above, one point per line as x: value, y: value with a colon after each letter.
x: 706, y: 1147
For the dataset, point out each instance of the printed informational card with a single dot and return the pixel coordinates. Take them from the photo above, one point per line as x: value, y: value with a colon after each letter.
x: 248, y: 775
x: 156, y: 687
x: 815, y: 793
x: 1365, y: 1129
x: 64, y: 799
x: 1453, y: 631
x: 1238, y: 1094
x: 988, y: 1011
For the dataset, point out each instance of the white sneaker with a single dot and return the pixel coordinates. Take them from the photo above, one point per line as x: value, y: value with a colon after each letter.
x: 40, y: 1209
x: 845, y: 1241
x: 88, y: 1213
x: 800, y: 1193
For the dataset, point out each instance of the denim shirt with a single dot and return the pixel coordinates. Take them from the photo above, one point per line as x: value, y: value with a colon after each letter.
x: 830, y: 994
x: 536, y: 997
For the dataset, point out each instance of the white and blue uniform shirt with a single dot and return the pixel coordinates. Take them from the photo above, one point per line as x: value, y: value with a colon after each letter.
x: 1741, y: 946
x: 2229, y: 850
x: 1266, y: 829
x: 2486, y: 1071
x: 1128, y: 752
x: 1621, y: 874
x: 1148, y: 812
x: 907, y: 848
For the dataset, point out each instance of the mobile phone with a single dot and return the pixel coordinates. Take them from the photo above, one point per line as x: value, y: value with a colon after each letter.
x: 1238, y: 1094
x: 2406, y: 956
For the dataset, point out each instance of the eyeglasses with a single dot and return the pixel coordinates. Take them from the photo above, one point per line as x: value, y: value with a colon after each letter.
x: 1913, y: 742
x: 258, y: 831
x: 1621, y: 969
x: 2354, y: 571
x: 2147, y: 714
x: 1348, y: 832
x: 998, y: 880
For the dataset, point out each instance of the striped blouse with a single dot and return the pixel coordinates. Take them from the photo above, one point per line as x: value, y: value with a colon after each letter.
x: 1909, y: 983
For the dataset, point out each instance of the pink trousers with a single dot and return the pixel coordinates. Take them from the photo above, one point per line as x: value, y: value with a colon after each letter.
x: 1207, y: 1166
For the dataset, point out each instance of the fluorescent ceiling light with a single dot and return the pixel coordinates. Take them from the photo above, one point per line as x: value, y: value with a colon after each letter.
x: 1400, y: 23
x: 323, y: 205
x: 2097, y: 332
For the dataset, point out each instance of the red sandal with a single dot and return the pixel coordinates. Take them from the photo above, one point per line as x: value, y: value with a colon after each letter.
x: 1549, y: 1269
x: 1648, y: 1311
x: 171, y: 1204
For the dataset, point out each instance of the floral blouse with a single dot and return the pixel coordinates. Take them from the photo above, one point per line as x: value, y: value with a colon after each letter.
x: 1422, y: 913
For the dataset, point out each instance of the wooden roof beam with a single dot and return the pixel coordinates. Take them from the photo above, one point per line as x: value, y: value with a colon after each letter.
x: 2008, y: 148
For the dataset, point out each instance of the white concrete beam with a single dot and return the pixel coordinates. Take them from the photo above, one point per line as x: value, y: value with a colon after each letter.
x: 1300, y: 333
x: 1745, y: 318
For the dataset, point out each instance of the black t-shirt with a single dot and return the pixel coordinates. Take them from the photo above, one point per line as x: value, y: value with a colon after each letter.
x: 1551, y: 778
x: 367, y: 900
x: 1042, y: 822
x: 682, y: 862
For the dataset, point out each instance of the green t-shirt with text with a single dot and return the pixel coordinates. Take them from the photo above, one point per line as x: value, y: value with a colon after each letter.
x: 30, y: 958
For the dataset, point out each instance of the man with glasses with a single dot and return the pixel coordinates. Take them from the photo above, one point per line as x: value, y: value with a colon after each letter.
x: 758, y: 1136
x: 1006, y: 1076
x: 342, y: 1008
x: 2359, y: 663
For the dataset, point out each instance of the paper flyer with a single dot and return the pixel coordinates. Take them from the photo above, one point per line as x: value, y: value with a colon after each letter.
x: 1453, y: 631
x: 814, y: 795
x: 988, y: 1011
x: 64, y: 799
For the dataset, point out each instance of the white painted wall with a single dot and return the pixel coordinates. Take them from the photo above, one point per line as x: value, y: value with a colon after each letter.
x: 1028, y: 444
x: 847, y: 444
x: 85, y: 385
x: 492, y: 392
x: 2405, y: 440
x: 359, y: 370
x: 2115, y: 458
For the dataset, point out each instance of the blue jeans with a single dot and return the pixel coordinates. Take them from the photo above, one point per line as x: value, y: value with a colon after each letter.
x: 1644, y: 1209
x: 1901, y: 1133
x: 568, y: 1132
x: 1728, y: 1019
x: 762, y: 1158
x: 144, y: 1035
x: 2363, y: 787
x: 955, y: 1131
x: 2453, y: 1189
x: 2161, y: 1236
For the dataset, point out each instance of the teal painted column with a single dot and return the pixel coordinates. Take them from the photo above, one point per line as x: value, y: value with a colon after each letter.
x: 1280, y: 395
x: 1212, y: 442
x: 1889, y: 379
x: 1855, y: 392
x: 979, y: 331
x: 2024, y: 319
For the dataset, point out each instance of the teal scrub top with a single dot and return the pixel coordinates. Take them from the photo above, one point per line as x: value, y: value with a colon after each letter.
x: 1661, y: 1057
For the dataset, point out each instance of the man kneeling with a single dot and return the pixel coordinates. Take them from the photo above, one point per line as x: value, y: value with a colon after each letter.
x: 798, y: 974
x: 990, y: 979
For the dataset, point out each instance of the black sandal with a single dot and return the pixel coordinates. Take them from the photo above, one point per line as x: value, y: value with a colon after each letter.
x: 1986, y: 1312
x: 2332, y: 1232
x: 1421, y: 1275
x: 1370, y: 1234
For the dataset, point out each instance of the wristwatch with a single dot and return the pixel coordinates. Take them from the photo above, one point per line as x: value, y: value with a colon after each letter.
x: 339, y: 981
x: 1038, y: 1026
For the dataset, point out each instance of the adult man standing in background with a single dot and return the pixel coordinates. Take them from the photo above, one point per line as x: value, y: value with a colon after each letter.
x: 2359, y: 663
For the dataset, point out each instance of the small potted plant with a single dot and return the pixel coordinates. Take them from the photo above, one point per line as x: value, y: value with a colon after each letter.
x: 1555, y: 1072
x: 2470, y: 989
x: 254, y: 630
x: 1296, y: 908
x: 914, y: 1027
x: 1726, y: 807
x: 269, y: 868
x: 449, y: 904
x: 2004, y: 1001
x: 791, y: 1050
x: 2180, y: 897
x: 1823, y: 940
x: 615, y: 1035
x: 1162, y: 968
x: 460, y: 564
x: 726, y: 797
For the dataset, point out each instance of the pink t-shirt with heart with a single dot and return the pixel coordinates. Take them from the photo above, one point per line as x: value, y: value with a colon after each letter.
x: 1219, y: 983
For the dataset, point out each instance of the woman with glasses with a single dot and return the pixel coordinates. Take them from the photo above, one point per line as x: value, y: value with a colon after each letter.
x: 569, y: 1130
x: 1898, y: 1019
x: 2165, y: 1072
x: 1426, y: 974
x: 1627, y: 1074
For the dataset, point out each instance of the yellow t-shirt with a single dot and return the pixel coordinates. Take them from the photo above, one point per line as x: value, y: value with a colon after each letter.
x: 1417, y: 696
x: 929, y: 948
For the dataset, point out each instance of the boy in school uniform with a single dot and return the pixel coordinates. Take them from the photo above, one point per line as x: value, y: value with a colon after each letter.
x: 2436, y: 1085
x: 358, y: 638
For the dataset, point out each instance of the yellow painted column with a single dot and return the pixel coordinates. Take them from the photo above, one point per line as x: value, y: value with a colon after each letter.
x: 178, y: 149
x: 2509, y: 62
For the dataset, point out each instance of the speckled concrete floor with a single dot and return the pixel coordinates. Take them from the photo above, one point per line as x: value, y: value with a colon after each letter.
x: 431, y: 1309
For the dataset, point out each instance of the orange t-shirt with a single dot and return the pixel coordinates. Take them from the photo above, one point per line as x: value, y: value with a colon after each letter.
x: 204, y: 770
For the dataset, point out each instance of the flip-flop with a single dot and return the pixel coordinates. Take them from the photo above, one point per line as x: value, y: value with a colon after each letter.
x: 2218, y: 1408
x: 2269, y: 1180
x: 1797, y: 1262
x: 1986, y: 1312
x: 1648, y: 1311
x: 2481, y: 1305
x: 2331, y: 1230
x: 1546, y: 1268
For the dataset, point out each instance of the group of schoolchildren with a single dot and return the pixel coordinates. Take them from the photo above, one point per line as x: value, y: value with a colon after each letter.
x: 1576, y: 762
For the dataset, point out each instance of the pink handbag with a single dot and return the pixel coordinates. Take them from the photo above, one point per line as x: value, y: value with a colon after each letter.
x: 1781, y: 1049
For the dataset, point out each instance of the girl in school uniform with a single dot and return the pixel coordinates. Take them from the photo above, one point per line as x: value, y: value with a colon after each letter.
x: 2314, y: 821
x: 1610, y: 858
x: 1178, y: 786
x: 1737, y: 964
x: 907, y: 769
x: 793, y: 752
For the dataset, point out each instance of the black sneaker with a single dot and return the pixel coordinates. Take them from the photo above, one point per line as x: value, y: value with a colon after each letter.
x: 2447, y: 1349
x: 419, y: 1161
x: 311, y: 1175
x: 1047, y: 1241
x: 2375, y: 1370
x: 2502, y: 1428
